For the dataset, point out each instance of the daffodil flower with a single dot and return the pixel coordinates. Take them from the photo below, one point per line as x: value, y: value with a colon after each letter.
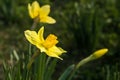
x: 47, y: 45
x: 35, y: 11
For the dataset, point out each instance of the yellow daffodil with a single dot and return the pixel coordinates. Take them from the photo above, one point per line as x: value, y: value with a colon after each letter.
x: 47, y: 45
x: 35, y: 11
x: 99, y: 53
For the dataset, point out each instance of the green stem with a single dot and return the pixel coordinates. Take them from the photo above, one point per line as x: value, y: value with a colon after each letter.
x: 30, y: 50
x: 82, y: 62
x: 48, y: 60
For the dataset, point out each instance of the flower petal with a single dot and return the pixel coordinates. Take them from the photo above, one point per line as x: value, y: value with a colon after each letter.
x: 30, y: 11
x: 32, y: 37
x: 55, y: 52
x: 53, y: 55
x: 34, y: 9
x: 40, y: 34
x: 48, y: 19
x: 44, y: 10
x: 42, y: 48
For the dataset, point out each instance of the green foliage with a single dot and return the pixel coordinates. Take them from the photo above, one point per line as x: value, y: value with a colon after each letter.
x: 82, y: 25
x: 66, y: 73
x: 111, y: 72
x: 89, y: 25
x: 12, y: 11
x: 16, y: 68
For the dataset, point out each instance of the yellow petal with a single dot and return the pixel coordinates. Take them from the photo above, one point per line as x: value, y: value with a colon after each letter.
x: 44, y: 10
x: 62, y: 50
x: 40, y: 34
x: 55, y: 52
x: 32, y: 37
x: 30, y: 10
x: 42, y: 48
x: 53, y: 55
x: 34, y: 9
x: 48, y: 19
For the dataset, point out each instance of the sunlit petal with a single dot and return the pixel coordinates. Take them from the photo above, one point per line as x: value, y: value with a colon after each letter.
x: 34, y: 9
x: 40, y: 34
x: 51, y: 54
x: 30, y: 11
x: 32, y: 37
x: 42, y: 48
x: 48, y: 19
x: 44, y: 10
x: 56, y: 50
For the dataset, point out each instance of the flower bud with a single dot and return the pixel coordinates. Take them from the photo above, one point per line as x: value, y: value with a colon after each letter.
x: 99, y: 53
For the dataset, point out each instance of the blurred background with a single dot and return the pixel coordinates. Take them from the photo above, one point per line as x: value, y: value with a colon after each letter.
x: 82, y: 27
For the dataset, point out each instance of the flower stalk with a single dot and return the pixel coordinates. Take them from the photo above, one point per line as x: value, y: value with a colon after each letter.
x: 36, y: 20
x: 32, y: 60
x: 97, y: 54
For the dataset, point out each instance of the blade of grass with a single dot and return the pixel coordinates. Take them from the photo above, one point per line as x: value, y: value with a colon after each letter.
x: 50, y: 69
x: 66, y: 73
x: 41, y: 66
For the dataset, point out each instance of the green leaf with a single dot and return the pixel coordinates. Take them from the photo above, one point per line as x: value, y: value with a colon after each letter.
x: 66, y: 73
x: 41, y: 66
x: 51, y: 64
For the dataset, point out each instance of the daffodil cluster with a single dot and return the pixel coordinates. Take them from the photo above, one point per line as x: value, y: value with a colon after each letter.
x: 47, y: 45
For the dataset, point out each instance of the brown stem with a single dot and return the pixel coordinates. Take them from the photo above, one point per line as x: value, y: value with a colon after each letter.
x: 32, y: 60
x: 36, y: 20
